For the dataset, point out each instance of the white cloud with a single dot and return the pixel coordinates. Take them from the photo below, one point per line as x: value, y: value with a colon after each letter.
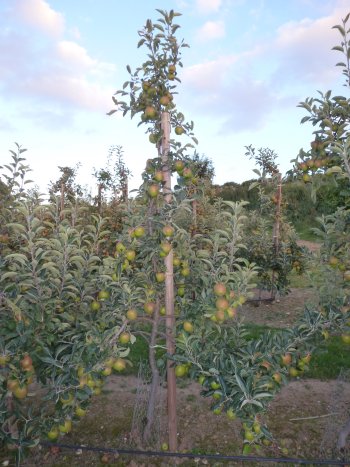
x: 47, y: 69
x: 211, y: 30
x: 208, y: 6
x: 72, y: 53
x: 40, y: 15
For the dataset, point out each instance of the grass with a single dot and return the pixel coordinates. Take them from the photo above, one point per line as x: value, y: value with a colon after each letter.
x: 329, y: 359
x: 305, y: 232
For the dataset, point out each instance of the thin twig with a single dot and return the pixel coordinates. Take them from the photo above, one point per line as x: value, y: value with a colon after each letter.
x: 314, y: 417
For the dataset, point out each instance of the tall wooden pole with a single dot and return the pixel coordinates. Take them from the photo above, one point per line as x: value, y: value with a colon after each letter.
x: 276, y: 227
x: 169, y: 290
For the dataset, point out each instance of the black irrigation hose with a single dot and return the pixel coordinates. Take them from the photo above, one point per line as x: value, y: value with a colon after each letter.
x: 281, y: 460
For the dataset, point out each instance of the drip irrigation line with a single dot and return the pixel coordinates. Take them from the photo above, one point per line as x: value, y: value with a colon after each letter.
x: 281, y: 460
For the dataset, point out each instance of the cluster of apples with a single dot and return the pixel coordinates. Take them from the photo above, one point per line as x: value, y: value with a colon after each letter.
x: 226, y: 303
x: 17, y: 383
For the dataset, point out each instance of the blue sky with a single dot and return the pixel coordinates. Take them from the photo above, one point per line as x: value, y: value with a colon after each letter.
x: 249, y: 64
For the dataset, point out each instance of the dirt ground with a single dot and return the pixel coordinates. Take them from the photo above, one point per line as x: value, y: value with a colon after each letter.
x: 304, y: 417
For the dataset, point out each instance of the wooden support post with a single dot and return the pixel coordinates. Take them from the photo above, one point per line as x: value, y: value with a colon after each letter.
x: 169, y: 291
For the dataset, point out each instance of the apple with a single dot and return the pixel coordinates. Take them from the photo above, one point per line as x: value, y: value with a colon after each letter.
x: 149, y: 307
x: 53, y: 434
x: 179, y: 166
x: 185, y: 272
x: 124, y: 338
x: 158, y: 176
x: 286, y: 359
x: 153, y: 138
x: 181, y: 291
x: 106, y: 371
x: 222, y: 304
x: 219, y: 289
x: 162, y: 311
x: 165, y: 247
x: 160, y: 276
x: 119, y: 364
x: 120, y: 247
x: 165, y: 447
x: 172, y: 69
x: 176, y: 261
x: 188, y: 327
x: 165, y: 100
x: 277, y: 377
x: 231, y: 414
x: 139, y: 231
x: 4, y: 359
x: 181, y: 370
x: 131, y: 314
x: 66, y: 427
x: 220, y: 316
x: 179, y: 130
x: 26, y: 362
x: 130, y: 255
x: 345, y: 338
x: 153, y: 191
x: 80, y: 412
x: 66, y: 399
x: 187, y: 173
x: 293, y: 372
x: 95, y: 305
x: 12, y: 384
x: 150, y: 112
x: 103, y: 295
x: 214, y: 385
x: 231, y: 312
x: 168, y: 230
x: 20, y: 392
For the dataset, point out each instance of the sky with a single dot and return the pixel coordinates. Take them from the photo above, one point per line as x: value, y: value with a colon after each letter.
x: 249, y: 64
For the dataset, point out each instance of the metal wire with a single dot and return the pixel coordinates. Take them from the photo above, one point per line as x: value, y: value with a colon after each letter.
x: 256, y: 459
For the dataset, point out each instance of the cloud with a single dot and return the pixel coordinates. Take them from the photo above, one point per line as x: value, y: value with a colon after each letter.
x: 39, y: 14
x: 211, y: 30
x: 48, y: 70
x: 208, y: 6
x: 303, y: 48
x: 75, y: 55
x: 242, y: 90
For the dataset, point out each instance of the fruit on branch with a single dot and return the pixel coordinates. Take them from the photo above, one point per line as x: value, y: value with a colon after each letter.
x: 185, y: 272
x: 153, y: 190
x: 124, y: 338
x: 179, y: 130
x: 120, y: 247
x: 26, y: 362
x: 103, y: 295
x: 187, y: 173
x: 149, y: 307
x: 222, y: 304
x: 131, y: 314
x: 160, y: 276
x: 345, y: 338
x: 95, y: 305
x: 130, y: 255
x: 165, y: 100
x: 179, y: 166
x: 172, y: 69
x: 181, y: 370
x: 286, y: 359
x: 165, y: 247
x: 220, y: 289
x: 139, y: 231
x: 66, y: 427
x: 119, y: 364
x: 293, y: 372
x: 277, y: 377
x: 168, y: 231
x: 20, y: 392
x: 80, y: 412
x: 150, y: 112
x: 158, y: 176
x: 53, y: 434
x: 188, y: 327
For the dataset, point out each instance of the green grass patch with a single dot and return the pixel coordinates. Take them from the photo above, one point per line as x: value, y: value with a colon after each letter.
x: 305, y: 232
x: 254, y: 331
x: 299, y: 281
x: 329, y: 359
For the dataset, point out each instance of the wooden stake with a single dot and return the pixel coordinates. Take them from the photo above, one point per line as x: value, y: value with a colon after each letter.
x: 169, y: 291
